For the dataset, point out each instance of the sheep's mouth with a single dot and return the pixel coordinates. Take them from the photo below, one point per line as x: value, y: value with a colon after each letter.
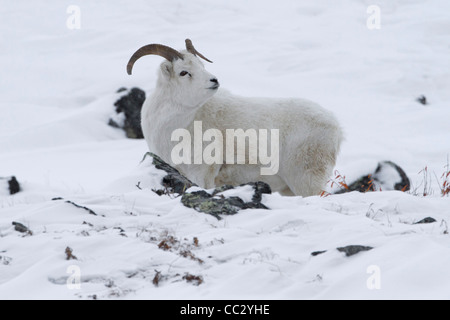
x: 214, y: 87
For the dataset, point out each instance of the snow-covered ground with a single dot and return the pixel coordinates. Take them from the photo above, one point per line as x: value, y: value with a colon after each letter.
x: 57, y: 88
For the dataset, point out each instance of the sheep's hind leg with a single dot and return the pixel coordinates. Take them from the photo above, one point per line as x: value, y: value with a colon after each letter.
x: 310, y: 176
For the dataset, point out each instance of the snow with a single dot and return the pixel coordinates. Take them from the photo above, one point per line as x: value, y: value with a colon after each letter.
x: 57, y: 89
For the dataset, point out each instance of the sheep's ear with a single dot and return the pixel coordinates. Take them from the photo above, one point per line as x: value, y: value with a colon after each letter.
x: 167, y: 69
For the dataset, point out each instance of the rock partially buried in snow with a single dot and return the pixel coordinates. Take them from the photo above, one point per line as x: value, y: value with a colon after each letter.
x: 128, y: 112
x: 174, y: 181
x: 426, y: 220
x: 5, y: 260
x: 218, y: 203
x: 422, y: 100
x: 12, y: 185
x: 316, y: 253
x: 19, y: 227
x: 226, y: 200
x: 353, y: 249
x: 348, y: 250
x: 387, y: 176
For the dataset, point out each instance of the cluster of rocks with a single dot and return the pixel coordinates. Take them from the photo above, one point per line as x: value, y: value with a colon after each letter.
x: 387, y: 175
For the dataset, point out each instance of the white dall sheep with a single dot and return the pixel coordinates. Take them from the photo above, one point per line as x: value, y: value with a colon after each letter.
x: 187, y: 95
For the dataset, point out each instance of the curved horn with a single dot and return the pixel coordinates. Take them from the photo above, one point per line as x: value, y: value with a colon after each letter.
x: 191, y: 49
x: 157, y: 49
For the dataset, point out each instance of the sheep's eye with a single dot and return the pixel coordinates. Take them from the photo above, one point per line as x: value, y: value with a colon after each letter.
x: 183, y: 73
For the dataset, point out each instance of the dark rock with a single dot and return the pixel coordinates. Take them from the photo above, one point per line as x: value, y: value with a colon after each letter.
x: 316, y: 253
x: 353, y: 249
x: 426, y: 220
x: 422, y: 99
x: 399, y: 181
x: 21, y: 228
x: 387, y: 176
x: 76, y: 205
x: 348, y: 250
x: 202, y: 201
x: 260, y: 188
x: 130, y: 104
x: 14, y: 186
x: 174, y: 181
x: 114, y: 124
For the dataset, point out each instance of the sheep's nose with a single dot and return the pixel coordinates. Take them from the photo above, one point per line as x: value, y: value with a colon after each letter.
x: 216, y: 83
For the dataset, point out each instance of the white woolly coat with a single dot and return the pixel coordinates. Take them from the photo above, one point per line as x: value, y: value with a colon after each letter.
x: 309, y: 139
